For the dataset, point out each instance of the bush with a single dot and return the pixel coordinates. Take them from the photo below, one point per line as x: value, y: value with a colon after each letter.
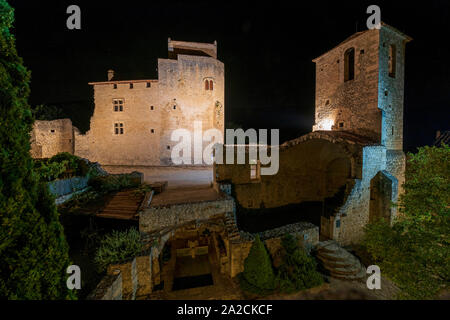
x: 118, y: 247
x: 415, y: 251
x: 298, y: 271
x: 258, y: 276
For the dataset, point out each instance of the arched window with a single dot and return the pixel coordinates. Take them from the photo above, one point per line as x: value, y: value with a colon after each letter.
x: 206, y: 84
x: 211, y: 85
x: 392, y: 60
x: 349, y: 64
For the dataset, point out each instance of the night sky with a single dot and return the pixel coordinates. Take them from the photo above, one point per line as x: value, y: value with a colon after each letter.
x: 267, y: 48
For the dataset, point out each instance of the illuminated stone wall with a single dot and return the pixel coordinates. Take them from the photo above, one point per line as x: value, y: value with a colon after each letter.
x: 51, y: 137
x: 152, y: 110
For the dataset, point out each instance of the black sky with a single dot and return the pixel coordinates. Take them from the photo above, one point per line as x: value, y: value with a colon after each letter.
x: 267, y: 49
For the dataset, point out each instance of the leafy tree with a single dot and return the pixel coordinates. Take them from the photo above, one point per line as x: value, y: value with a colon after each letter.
x: 415, y: 251
x: 258, y: 276
x: 33, y: 250
x: 298, y: 270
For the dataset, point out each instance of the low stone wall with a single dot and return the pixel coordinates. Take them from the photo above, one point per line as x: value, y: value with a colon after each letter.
x: 109, y: 288
x: 128, y: 271
x: 306, y: 233
x: 157, y: 218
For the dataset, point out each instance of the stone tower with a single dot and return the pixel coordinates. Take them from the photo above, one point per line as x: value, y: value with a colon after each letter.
x: 359, y: 86
x: 360, y: 90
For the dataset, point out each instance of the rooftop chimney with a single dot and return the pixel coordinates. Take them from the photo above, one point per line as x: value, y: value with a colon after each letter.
x: 110, y: 74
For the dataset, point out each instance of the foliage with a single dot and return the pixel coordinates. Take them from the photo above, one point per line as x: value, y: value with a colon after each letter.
x: 118, y: 247
x: 298, y: 270
x: 258, y: 276
x: 49, y: 171
x: 33, y: 250
x: 60, y: 165
x: 43, y: 112
x: 415, y: 252
x: 111, y: 183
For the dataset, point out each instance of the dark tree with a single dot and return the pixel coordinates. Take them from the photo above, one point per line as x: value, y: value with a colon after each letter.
x: 33, y: 249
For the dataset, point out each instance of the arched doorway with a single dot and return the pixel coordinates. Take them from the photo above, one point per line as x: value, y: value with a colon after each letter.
x: 382, y: 194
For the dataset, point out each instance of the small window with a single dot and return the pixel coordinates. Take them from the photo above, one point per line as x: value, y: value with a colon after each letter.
x: 254, y: 170
x: 118, y: 105
x: 118, y: 128
x: 361, y: 51
x: 385, y: 93
x: 149, y: 84
x: 131, y: 86
x: 168, y: 147
x: 174, y: 107
x: 52, y: 131
x: 152, y: 130
x: 206, y: 85
x: 338, y: 223
x: 392, y: 61
x: 392, y: 131
x: 341, y: 124
x: 115, y: 86
x: 327, y: 102
x: 349, y: 64
x: 152, y: 108
x: 211, y: 85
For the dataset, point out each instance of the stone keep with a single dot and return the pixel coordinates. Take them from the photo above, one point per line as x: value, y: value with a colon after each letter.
x: 133, y: 120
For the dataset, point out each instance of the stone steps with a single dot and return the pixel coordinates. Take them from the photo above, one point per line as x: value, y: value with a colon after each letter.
x: 340, y: 263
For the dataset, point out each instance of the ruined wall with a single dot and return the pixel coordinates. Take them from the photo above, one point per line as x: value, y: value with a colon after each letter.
x: 51, y: 137
x: 309, y: 171
x: 152, y: 110
x: 349, y: 105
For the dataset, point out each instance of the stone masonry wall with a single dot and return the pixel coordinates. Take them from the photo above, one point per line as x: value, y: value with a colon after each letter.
x: 51, y: 137
x: 156, y: 218
x: 152, y: 109
x: 349, y: 105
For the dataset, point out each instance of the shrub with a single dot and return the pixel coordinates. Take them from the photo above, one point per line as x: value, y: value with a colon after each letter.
x: 118, y: 247
x: 258, y: 276
x: 298, y: 270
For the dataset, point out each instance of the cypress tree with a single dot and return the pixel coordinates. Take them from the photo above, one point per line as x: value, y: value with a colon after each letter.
x: 33, y: 249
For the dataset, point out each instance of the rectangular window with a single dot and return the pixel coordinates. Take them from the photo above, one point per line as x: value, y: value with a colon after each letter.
x: 118, y: 128
x: 392, y: 60
x: 118, y: 105
x: 349, y: 64
x: 255, y: 170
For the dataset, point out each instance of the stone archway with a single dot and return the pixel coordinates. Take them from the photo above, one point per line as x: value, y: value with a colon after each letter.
x: 383, y: 192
